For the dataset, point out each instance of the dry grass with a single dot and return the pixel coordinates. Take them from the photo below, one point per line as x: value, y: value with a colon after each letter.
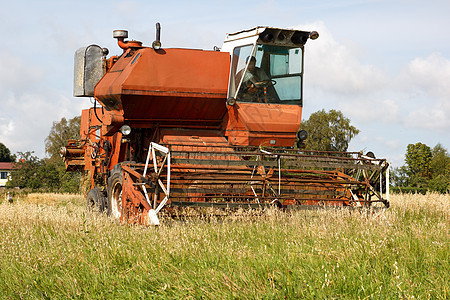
x: 50, y: 247
x: 54, y: 199
x: 416, y: 202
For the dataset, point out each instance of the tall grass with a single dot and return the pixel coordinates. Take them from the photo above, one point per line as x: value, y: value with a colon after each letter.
x: 50, y: 248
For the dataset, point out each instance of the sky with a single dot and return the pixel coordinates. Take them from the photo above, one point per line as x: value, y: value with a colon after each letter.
x: 385, y: 64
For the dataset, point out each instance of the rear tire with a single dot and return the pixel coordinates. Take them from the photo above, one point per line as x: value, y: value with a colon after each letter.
x: 114, y: 208
x: 96, y: 200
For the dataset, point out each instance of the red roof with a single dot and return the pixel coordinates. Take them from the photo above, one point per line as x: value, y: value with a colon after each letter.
x: 6, y: 166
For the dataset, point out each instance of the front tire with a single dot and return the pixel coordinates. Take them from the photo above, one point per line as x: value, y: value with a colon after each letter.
x: 114, y: 208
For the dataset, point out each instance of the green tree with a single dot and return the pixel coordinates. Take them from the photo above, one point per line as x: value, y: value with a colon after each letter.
x: 418, y: 159
x: 43, y: 175
x: 440, y: 161
x: 26, y: 172
x: 59, y: 134
x: 440, y: 170
x: 424, y: 169
x: 400, y: 176
x: 5, y: 154
x: 57, y: 178
x: 49, y: 174
x: 439, y: 184
x: 328, y: 131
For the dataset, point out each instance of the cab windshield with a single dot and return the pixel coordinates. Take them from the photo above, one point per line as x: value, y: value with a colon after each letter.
x: 267, y: 74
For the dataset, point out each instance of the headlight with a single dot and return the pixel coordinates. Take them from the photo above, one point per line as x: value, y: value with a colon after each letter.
x: 302, y: 135
x: 125, y: 129
x: 231, y: 101
x: 156, y: 45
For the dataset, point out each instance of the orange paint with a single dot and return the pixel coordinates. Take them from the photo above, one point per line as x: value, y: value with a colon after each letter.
x: 254, y: 124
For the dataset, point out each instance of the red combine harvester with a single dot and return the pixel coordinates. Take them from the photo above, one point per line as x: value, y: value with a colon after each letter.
x: 185, y: 127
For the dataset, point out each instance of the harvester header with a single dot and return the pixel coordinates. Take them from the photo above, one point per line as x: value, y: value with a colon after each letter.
x: 189, y: 127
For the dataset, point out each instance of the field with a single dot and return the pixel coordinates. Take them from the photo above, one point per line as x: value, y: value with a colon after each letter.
x: 51, y: 249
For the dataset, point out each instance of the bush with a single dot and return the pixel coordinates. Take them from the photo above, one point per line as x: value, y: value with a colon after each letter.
x: 439, y: 184
x: 409, y: 190
x: 43, y: 175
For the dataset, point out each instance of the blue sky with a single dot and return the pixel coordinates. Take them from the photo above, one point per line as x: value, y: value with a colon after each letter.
x: 384, y: 64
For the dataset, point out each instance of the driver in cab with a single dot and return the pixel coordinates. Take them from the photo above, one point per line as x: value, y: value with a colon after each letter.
x: 255, y: 83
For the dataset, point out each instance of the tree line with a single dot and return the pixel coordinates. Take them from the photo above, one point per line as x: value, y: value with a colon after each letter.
x: 425, y: 168
x: 47, y: 174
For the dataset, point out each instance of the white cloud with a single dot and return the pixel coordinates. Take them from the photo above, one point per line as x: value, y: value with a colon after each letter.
x: 16, y: 74
x: 425, y: 84
x: 431, y: 118
x: 396, y: 160
x: 370, y: 109
x: 335, y: 67
x: 431, y: 74
x: 26, y: 118
x: 335, y: 75
x: 6, y: 129
x: 416, y: 97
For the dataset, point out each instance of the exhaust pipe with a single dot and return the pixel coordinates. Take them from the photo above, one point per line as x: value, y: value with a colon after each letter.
x: 157, y: 43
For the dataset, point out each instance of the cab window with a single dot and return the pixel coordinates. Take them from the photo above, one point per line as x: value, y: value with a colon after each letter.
x: 268, y: 74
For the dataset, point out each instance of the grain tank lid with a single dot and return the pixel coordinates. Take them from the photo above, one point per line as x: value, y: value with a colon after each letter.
x: 169, y: 72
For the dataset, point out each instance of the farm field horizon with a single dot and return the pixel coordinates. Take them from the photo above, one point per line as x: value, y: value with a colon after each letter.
x: 51, y: 248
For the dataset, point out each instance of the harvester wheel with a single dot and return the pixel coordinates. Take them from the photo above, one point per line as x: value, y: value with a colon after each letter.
x: 96, y: 200
x: 115, y: 192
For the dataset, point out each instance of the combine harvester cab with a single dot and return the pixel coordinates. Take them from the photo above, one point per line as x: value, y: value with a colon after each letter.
x: 184, y: 127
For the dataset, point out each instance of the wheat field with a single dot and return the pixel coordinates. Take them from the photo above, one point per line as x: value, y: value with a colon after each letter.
x: 50, y: 248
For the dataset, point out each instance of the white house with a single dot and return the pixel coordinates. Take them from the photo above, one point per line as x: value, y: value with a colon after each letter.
x: 5, y: 172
